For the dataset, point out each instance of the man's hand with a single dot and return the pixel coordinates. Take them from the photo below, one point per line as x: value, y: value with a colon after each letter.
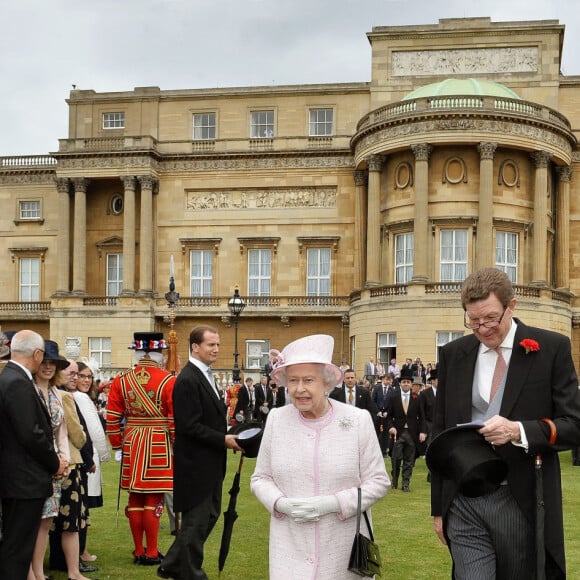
x: 62, y: 468
x: 232, y: 443
x: 498, y: 430
x: 438, y: 527
x: 393, y: 432
x: 422, y: 437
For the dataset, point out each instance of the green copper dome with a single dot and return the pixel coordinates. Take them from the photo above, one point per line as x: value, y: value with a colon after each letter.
x: 462, y: 87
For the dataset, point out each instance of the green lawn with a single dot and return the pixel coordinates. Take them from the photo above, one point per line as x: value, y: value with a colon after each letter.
x: 403, y: 530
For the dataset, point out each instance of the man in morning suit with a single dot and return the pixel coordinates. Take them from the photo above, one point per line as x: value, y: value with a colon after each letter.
x: 28, y: 459
x: 520, y: 382
x: 426, y: 411
x: 246, y: 405
x: 354, y: 395
x: 403, y: 425
x: 380, y: 396
x: 199, y: 456
x: 264, y: 399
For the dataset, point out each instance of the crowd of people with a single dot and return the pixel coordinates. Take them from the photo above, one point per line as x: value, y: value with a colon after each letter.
x: 509, y: 390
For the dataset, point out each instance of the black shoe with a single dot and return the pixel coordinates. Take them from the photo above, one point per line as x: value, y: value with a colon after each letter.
x: 394, y: 484
x: 86, y: 567
x: 147, y: 561
x: 406, y: 488
x: 163, y: 573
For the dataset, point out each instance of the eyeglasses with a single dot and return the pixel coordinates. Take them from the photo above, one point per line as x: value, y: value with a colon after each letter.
x: 85, y: 377
x: 489, y: 323
x: 73, y: 374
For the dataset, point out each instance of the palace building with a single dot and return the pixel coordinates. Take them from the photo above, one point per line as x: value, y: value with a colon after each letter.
x: 353, y: 209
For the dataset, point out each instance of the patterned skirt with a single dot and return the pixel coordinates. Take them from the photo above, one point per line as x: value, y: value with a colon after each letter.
x: 52, y: 503
x: 72, y: 514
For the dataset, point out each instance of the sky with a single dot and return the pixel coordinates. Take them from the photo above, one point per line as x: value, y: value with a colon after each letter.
x: 116, y: 45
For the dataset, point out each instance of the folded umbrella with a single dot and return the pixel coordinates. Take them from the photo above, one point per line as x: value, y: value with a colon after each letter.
x: 230, y: 516
x: 540, y: 548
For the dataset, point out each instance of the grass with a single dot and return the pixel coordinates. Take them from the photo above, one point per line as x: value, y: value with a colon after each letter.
x: 403, y: 529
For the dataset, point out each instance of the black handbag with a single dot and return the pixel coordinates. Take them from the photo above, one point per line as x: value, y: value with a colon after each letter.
x: 365, y: 559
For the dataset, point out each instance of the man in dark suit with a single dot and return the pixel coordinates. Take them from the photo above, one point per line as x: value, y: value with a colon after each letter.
x: 520, y: 382
x: 28, y: 459
x: 282, y: 396
x: 264, y: 399
x: 426, y: 411
x: 246, y: 405
x: 380, y: 396
x: 349, y: 392
x: 199, y: 456
x: 403, y: 425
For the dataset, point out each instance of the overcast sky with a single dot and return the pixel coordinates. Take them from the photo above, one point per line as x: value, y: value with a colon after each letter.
x: 116, y: 45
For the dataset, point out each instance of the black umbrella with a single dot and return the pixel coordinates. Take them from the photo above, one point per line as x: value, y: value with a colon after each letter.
x: 230, y: 516
x: 540, y: 548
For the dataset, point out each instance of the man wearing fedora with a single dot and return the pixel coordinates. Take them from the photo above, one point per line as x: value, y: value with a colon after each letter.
x: 143, y: 396
x: 403, y: 426
x: 519, y: 382
x: 200, y: 448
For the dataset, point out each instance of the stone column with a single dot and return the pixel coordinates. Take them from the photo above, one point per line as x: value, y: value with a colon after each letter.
x: 485, y: 249
x: 373, y: 277
x: 360, y: 227
x: 540, y: 262
x: 148, y: 183
x: 80, y: 185
x: 129, y: 235
x: 421, y: 214
x: 562, y: 227
x: 63, y: 241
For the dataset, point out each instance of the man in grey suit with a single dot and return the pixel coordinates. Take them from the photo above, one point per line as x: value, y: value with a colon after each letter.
x: 28, y: 459
x: 199, y: 456
x: 520, y: 382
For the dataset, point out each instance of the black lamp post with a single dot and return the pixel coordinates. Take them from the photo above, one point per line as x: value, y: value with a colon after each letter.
x: 235, y: 305
x: 172, y: 298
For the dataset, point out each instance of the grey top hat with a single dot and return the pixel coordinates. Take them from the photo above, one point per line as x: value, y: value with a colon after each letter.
x: 462, y: 455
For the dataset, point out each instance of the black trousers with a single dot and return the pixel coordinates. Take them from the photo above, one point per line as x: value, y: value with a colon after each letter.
x: 404, y: 451
x: 20, y: 523
x: 184, y: 559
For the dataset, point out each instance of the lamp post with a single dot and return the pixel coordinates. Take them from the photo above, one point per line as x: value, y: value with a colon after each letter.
x: 235, y: 305
x: 172, y: 298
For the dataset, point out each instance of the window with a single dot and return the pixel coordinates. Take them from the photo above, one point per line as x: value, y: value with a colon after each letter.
x: 113, y: 120
x: 259, y: 272
x: 29, y: 210
x: 201, y: 268
x: 403, y: 258
x: 506, y: 254
x: 29, y: 283
x: 387, y: 347
x: 203, y: 126
x: 318, y: 272
x: 445, y: 336
x: 257, y: 353
x: 114, y: 274
x: 453, y: 255
x: 321, y: 121
x: 100, y: 350
x: 262, y: 124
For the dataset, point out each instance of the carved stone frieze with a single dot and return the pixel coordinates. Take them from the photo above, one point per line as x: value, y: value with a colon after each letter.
x: 498, y: 128
x: 465, y: 61
x: 322, y: 197
x: 107, y: 162
x: 27, y: 178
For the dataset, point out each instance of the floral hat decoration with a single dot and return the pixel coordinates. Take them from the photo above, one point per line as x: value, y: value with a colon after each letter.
x: 316, y: 348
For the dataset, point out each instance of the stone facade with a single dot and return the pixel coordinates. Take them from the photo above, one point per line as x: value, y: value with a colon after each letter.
x: 133, y: 182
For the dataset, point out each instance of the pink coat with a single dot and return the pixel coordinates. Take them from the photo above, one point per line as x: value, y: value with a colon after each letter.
x: 303, y: 458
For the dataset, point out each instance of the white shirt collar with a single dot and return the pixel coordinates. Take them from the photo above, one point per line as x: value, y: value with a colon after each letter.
x: 508, y: 341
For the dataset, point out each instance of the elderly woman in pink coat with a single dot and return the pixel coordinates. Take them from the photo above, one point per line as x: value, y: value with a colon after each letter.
x: 314, y: 456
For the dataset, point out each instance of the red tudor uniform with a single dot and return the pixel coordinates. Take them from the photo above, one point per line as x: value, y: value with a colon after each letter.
x: 144, y: 397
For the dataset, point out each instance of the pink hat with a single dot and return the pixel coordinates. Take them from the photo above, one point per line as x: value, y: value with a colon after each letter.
x: 316, y: 348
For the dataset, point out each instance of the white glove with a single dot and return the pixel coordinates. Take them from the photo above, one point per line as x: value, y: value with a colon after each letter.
x: 311, y: 509
x: 284, y: 506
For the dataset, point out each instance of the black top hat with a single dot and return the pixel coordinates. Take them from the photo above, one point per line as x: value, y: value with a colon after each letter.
x: 51, y: 353
x: 464, y: 456
x: 433, y: 373
x: 406, y: 374
x: 147, y: 341
x: 249, y: 437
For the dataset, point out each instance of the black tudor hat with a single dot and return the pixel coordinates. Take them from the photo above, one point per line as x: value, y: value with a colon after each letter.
x: 464, y: 456
x: 249, y: 437
x: 147, y: 341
